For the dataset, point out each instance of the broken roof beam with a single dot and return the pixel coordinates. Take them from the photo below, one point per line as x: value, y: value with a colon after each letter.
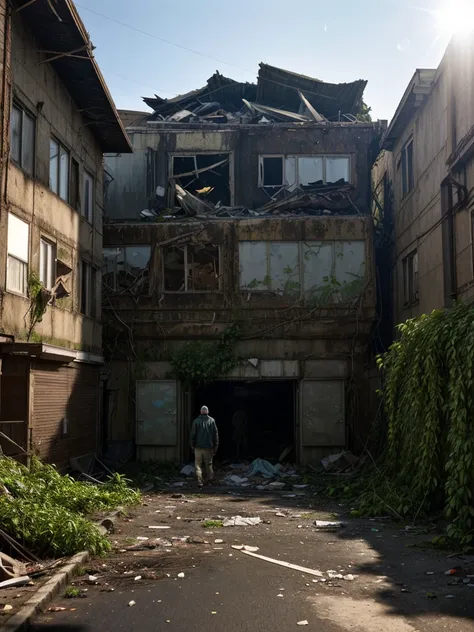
x: 195, y: 172
x: 191, y: 204
x: 282, y: 115
x: 314, y: 113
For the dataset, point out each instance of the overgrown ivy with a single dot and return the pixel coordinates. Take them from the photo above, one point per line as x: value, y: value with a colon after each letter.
x: 198, y: 361
x: 39, y: 298
x: 428, y: 466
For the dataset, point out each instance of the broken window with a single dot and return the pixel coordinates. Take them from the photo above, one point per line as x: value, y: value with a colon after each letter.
x: 47, y: 263
x: 293, y: 171
x: 334, y: 269
x: 126, y: 268
x: 204, y: 175
x: 191, y: 268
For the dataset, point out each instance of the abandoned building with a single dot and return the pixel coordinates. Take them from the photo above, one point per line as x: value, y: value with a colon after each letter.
x: 245, y: 205
x: 57, y: 120
x: 424, y: 184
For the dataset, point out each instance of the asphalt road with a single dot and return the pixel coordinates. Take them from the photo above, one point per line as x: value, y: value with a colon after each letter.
x: 397, y: 588
x: 238, y: 594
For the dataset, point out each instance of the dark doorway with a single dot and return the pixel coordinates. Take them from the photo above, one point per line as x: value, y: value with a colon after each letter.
x: 268, y: 408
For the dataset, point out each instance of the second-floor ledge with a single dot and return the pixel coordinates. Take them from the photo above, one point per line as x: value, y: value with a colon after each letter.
x: 43, y: 351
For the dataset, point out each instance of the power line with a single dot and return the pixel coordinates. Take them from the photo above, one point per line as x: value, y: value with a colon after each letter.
x: 161, y: 39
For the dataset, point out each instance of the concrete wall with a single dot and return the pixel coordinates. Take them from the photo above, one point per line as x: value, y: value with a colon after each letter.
x: 39, y: 90
x: 444, y: 121
x: 135, y: 177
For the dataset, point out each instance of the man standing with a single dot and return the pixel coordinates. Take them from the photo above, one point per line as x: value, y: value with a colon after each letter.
x: 204, y: 443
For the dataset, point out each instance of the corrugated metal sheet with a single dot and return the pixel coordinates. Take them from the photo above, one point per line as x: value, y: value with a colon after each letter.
x: 65, y: 411
x: 14, y: 386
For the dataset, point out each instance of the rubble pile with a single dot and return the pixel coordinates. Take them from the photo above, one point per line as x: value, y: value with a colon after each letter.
x: 278, y: 96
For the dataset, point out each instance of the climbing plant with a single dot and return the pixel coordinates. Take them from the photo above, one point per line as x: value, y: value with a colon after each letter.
x: 39, y: 298
x: 428, y: 392
x: 198, y: 361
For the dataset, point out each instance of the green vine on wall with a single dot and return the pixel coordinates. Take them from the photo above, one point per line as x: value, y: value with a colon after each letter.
x: 198, y: 361
x: 39, y: 298
x: 428, y: 466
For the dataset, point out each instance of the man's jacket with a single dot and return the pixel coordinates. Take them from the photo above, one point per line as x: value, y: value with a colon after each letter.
x: 204, y: 433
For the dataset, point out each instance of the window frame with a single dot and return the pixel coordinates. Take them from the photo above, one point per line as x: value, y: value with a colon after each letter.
x: 88, y: 214
x: 301, y: 244
x: 407, y: 166
x: 105, y: 272
x: 50, y: 245
x: 24, y: 263
x: 296, y: 157
x: 410, y: 278
x: 20, y: 163
x: 61, y: 148
x: 186, y: 291
x: 85, y: 285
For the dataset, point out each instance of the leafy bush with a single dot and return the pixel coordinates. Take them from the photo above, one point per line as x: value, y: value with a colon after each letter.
x: 46, y: 511
x: 428, y: 465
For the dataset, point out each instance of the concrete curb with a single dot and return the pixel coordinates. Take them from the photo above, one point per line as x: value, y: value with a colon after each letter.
x: 44, y: 595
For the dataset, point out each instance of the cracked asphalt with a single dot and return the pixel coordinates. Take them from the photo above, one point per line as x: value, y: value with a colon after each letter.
x: 398, y: 587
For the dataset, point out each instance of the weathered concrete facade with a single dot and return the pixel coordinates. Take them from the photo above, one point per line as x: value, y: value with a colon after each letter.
x: 314, y: 356
x: 50, y: 236
x: 432, y: 188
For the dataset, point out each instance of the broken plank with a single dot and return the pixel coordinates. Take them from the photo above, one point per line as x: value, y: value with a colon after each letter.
x: 294, y: 567
x: 314, y: 113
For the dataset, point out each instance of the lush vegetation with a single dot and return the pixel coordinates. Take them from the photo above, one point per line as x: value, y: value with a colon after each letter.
x: 428, y: 465
x: 47, y: 512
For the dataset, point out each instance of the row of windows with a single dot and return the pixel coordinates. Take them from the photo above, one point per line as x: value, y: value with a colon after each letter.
x: 297, y: 268
x: 50, y: 268
x: 64, y: 170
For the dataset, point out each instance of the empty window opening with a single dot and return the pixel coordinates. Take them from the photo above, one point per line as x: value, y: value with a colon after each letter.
x: 17, y: 255
x: 410, y: 278
x: 126, y: 269
x: 303, y: 171
x: 204, y: 175
x: 254, y: 419
x: 47, y: 263
x: 408, y: 177
x: 333, y: 271
x: 22, y: 142
x: 191, y: 268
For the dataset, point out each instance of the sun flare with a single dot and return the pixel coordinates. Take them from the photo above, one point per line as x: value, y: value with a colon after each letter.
x: 456, y: 17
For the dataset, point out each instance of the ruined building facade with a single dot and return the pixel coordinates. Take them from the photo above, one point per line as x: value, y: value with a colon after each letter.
x: 424, y: 183
x: 234, y: 211
x: 57, y: 119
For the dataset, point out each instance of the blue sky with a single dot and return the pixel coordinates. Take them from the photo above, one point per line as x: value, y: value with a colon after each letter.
x: 383, y: 41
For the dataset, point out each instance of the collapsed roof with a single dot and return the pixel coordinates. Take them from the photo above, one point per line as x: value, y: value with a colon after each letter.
x: 279, y: 95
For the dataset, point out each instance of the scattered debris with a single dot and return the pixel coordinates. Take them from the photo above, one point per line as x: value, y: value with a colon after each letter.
x: 295, y: 567
x: 218, y: 541
x: 15, y: 582
x: 238, y: 547
x: 188, y: 470
x: 56, y: 609
x: 302, y: 622
x: 155, y: 526
x: 239, y: 521
x: 343, y: 462
x: 7, y: 607
x: 131, y: 603
x: 181, y: 575
x: 277, y: 485
x: 328, y: 525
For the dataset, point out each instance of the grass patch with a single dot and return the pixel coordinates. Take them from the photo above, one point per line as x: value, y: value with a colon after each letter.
x: 72, y: 592
x: 212, y: 524
x: 47, y: 512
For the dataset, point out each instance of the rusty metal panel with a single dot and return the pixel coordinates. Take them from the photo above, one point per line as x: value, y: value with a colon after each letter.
x: 50, y: 398
x: 82, y: 436
x: 156, y: 413
x: 322, y: 413
x: 14, y: 379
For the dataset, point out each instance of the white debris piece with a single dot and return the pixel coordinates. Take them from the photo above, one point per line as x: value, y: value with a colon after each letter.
x: 132, y: 603
x: 327, y: 524
x: 302, y: 622
x: 188, y: 470
x: 239, y: 521
x: 158, y: 526
x: 236, y: 480
x: 218, y: 541
x: 142, y: 538
x: 138, y: 578
x: 349, y: 578
x: 277, y: 485
x: 251, y: 549
x: 181, y: 575
x: 238, y: 547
